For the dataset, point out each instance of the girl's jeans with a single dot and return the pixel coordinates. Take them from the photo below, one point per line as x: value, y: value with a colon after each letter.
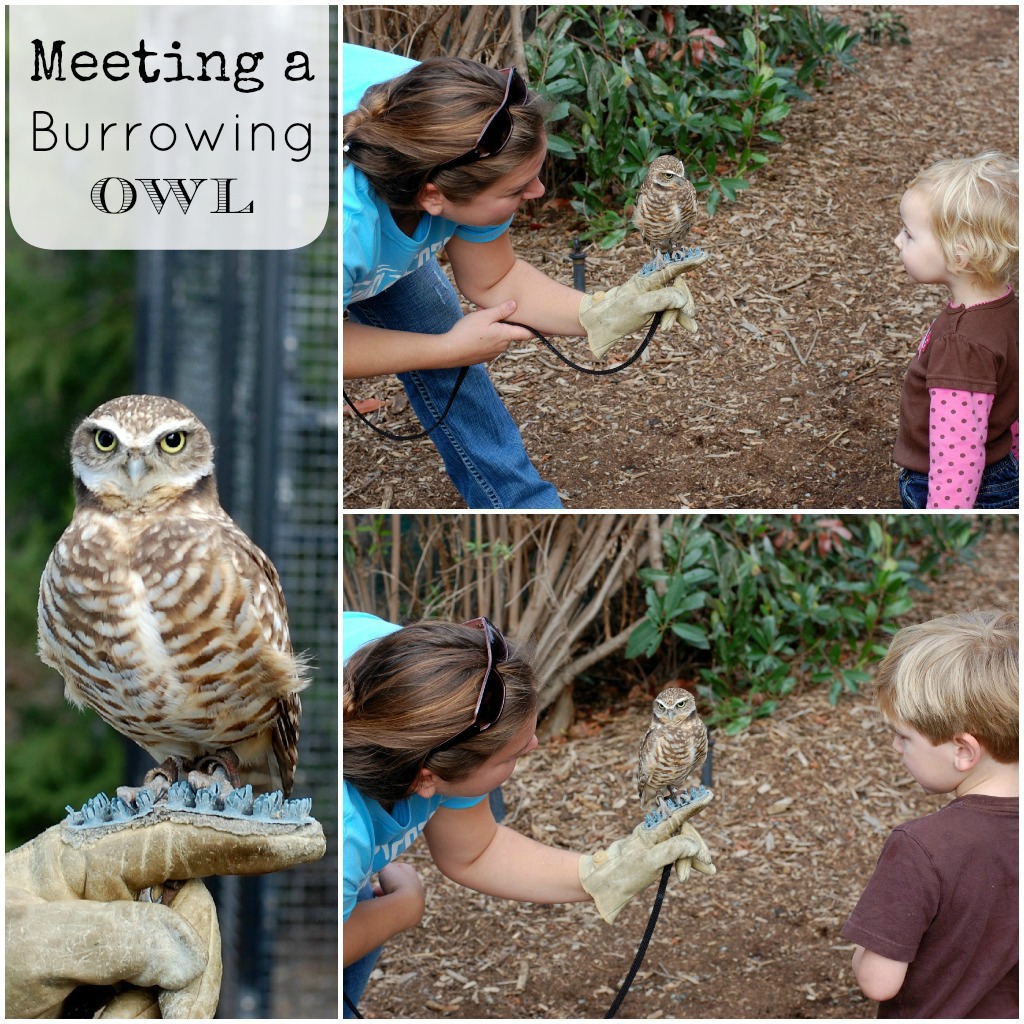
x: 479, y: 442
x: 356, y: 975
x: 999, y: 486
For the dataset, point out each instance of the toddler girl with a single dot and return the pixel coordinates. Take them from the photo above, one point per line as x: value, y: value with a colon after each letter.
x: 957, y: 442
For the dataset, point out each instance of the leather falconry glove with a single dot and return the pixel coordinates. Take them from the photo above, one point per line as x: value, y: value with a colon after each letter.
x: 608, y: 316
x: 73, y: 917
x: 614, y: 876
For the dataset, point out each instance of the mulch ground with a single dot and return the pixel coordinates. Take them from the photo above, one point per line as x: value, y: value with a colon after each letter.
x: 788, y: 395
x: 803, y: 802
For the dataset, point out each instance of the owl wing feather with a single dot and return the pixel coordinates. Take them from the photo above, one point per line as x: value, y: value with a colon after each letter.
x: 272, y: 611
x: 643, y: 765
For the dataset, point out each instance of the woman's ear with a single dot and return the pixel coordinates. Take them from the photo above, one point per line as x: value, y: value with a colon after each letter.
x: 968, y: 752
x: 431, y: 199
x: 426, y: 783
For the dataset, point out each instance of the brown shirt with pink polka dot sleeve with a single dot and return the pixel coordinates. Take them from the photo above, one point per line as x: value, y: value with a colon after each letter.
x: 971, y: 351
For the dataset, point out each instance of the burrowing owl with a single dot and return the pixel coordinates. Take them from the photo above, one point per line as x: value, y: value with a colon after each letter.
x: 675, y: 746
x: 155, y: 607
x: 666, y: 205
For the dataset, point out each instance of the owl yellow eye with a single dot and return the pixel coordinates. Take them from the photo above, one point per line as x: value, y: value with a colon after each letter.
x: 173, y: 442
x: 104, y: 440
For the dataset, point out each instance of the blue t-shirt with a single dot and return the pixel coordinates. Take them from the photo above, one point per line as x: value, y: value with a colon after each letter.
x: 375, y: 251
x: 372, y: 836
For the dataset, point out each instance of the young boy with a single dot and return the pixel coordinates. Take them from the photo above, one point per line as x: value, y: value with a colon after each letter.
x: 936, y: 927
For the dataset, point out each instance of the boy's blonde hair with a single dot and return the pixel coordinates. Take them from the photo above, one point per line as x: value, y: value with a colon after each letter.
x: 956, y: 674
x: 974, y: 214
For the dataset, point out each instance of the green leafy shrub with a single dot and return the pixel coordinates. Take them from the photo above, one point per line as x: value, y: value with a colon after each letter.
x: 63, y: 757
x: 637, y: 82
x: 883, y: 24
x: 769, y: 600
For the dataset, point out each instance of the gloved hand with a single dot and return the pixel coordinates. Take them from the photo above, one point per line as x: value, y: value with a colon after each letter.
x: 614, y: 876
x: 609, y: 316
x: 73, y: 919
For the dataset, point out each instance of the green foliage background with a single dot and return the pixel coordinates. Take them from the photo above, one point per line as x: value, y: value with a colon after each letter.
x: 710, y: 84
x: 758, y: 603
x: 69, y: 319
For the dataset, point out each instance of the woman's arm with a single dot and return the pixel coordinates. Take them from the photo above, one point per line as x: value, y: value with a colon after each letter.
x: 488, y: 274
x: 470, y: 848
x: 476, y: 338
x: 879, y: 978
x: 396, y: 906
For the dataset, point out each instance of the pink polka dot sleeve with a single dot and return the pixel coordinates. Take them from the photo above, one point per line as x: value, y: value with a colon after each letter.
x: 957, y: 432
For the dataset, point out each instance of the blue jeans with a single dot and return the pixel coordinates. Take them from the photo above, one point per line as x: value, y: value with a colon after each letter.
x: 356, y: 975
x: 478, y: 441
x: 1000, y: 484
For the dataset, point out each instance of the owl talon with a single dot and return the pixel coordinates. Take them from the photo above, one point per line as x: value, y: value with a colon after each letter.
x: 694, y: 255
x: 222, y: 765
x: 667, y: 806
x: 155, y: 784
x: 160, y: 779
x: 201, y: 782
x: 163, y: 893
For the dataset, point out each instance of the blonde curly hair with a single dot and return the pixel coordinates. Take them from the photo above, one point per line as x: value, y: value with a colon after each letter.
x: 974, y: 214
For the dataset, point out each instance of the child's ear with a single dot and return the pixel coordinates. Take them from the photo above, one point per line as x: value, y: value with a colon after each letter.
x: 968, y: 752
x: 961, y: 259
x: 425, y: 784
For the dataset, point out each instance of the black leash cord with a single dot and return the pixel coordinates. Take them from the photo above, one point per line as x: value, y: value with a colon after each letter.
x: 392, y: 436
x: 655, y: 324
x: 641, y: 951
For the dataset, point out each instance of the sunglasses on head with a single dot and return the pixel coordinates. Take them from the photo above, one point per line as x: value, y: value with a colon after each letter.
x: 491, y: 700
x: 498, y: 130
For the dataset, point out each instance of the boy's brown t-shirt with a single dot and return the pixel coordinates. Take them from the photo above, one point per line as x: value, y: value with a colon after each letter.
x: 971, y: 349
x: 943, y: 899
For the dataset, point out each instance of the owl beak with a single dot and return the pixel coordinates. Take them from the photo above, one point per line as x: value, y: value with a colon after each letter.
x: 136, y: 468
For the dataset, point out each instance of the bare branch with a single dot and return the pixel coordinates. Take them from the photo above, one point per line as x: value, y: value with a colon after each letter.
x: 550, y: 579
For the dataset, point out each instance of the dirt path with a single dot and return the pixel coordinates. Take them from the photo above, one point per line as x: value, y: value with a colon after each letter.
x: 787, y: 398
x: 803, y: 803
